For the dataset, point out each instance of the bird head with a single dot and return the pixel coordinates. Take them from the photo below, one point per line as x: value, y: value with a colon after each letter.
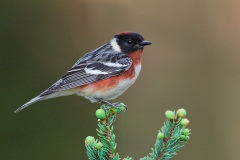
x: 128, y: 42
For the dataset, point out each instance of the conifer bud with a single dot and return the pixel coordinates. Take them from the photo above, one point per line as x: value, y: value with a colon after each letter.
x: 186, y: 132
x: 98, y: 145
x: 183, y: 137
x: 184, y: 122
x: 160, y: 135
x: 169, y: 114
x: 89, y: 140
x: 100, y: 114
x: 181, y: 113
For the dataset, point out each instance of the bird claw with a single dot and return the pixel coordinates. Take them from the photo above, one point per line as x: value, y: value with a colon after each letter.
x: 119, y: 105
x: 116, y: 106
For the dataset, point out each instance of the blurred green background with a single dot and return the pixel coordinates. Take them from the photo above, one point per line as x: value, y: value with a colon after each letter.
x: 194, y: 63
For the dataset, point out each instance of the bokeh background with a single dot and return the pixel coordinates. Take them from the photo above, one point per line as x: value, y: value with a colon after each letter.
x: 194, y: 63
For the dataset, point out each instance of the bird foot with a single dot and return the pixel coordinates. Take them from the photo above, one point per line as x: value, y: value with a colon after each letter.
x: 109, y: 105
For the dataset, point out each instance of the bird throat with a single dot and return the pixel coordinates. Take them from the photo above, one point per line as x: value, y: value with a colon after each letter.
x: 136, y: 57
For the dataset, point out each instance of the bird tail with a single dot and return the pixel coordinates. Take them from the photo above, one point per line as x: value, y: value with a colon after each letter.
x: 48, y: 94
x: 34, y: 100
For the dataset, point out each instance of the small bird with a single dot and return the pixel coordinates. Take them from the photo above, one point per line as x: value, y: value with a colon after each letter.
x: 102, y: 74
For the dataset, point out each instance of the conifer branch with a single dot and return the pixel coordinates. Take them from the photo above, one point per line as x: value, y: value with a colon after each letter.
x: 172, y: 136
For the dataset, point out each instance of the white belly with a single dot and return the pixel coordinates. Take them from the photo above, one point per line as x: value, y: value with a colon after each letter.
x: 111, y: 93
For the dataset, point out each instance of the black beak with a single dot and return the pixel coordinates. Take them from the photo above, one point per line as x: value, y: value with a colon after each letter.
x: 145, y: 43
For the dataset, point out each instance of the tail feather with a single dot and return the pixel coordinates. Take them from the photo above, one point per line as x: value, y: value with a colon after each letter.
x: 34, y: 100
x: 44, y: 96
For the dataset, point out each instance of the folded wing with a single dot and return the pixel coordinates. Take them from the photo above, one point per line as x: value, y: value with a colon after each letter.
x: 92, y: 70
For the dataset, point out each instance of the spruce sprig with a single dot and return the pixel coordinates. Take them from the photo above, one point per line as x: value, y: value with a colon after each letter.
x: 105, y: 147
x: 172, y: 136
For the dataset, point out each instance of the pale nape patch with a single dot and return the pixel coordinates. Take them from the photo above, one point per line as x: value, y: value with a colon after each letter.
x: 114, y: 45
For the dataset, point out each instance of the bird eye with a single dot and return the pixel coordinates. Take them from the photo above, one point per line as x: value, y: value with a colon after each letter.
x: 129, y: 42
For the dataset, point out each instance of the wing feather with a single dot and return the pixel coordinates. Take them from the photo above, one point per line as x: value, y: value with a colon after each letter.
x: 92, y: 67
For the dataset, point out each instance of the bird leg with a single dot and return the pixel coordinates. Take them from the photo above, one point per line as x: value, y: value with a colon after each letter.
x: 109, y: 104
